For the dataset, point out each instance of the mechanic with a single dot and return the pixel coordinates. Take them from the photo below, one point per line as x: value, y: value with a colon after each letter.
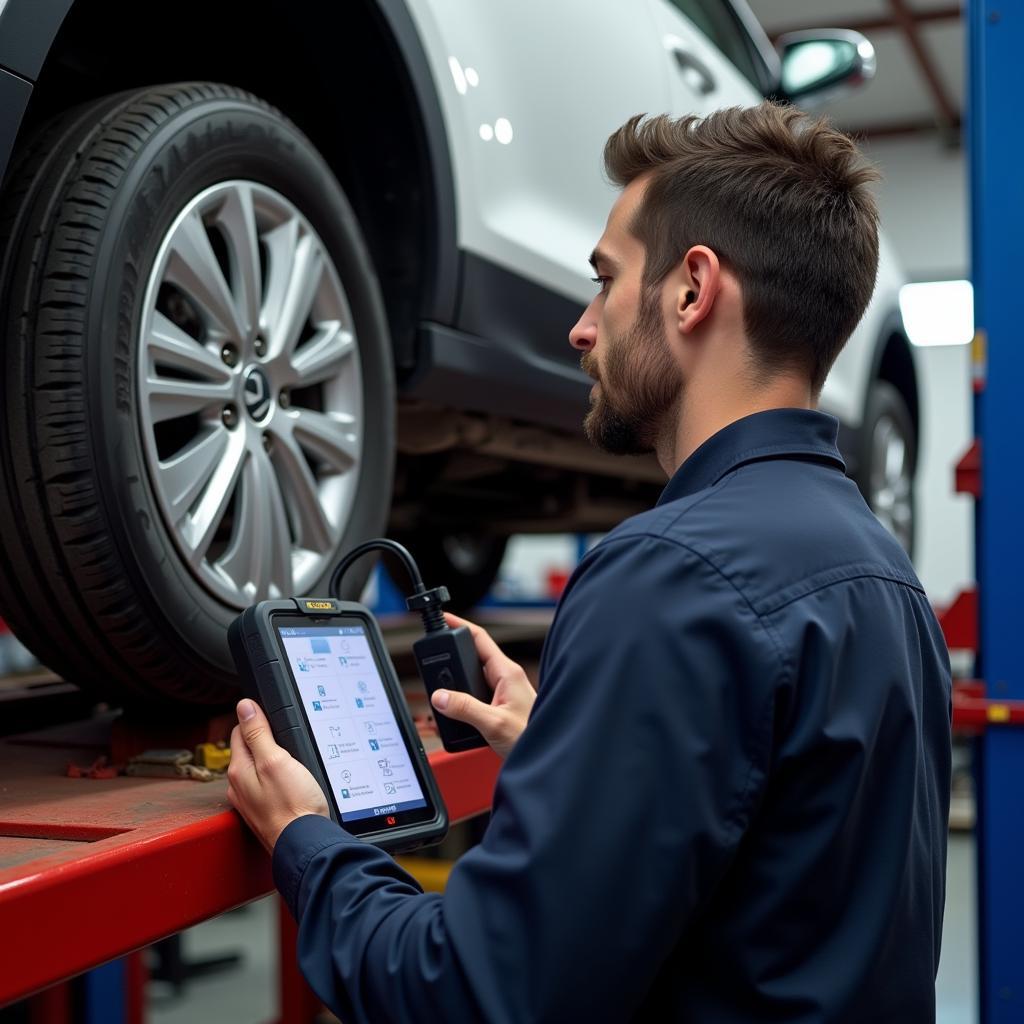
x: 729, y: 800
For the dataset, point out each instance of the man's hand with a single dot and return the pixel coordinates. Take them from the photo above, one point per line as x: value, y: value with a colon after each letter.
x: 501, y: 721
x: 266, y: 785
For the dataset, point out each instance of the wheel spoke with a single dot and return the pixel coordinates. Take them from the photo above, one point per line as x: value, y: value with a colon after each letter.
x: 259, y: 555
x: 901, y: 488
x: 281, y: 244
x: 169, y: 346
x: 186, y: 475
x: 193, y: 267
x: 290, y: 291
x: 169, y: 399
x: 199, y: 528
x: 302, y: 495
x: 323, y: 356
x: 237, y: 219
x: 278, y: 582
x: 330, y: 437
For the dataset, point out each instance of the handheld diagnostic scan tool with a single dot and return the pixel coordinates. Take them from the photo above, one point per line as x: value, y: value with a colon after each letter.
x: 321, y: 672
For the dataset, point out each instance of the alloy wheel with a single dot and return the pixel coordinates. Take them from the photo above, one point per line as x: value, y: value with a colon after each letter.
x: 891, y: 481
x: 250, y: 394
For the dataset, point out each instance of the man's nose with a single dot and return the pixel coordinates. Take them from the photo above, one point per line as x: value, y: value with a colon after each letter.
x: 583, y: 337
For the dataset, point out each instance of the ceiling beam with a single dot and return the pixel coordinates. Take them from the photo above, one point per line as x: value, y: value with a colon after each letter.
x: 947, y: 114
x: 949, y: 12
x: 895, y: 129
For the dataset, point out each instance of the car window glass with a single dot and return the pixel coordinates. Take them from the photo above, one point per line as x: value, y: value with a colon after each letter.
x: 716, y: 21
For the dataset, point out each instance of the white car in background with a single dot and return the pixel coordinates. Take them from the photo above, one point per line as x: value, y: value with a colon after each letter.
x: 319, y: 287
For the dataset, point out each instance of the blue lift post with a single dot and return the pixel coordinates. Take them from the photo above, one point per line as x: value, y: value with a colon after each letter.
x: 996, y: 68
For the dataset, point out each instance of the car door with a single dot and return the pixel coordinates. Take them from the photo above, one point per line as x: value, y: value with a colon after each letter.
x: 531, y: 90
x: 715, y: 64
x: 708, y: 54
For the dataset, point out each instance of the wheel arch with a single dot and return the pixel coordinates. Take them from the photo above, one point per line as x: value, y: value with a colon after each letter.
x: 391, y: 156
x: 894, y: 363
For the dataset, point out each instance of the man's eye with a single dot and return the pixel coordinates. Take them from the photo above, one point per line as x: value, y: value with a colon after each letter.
x: 603, y: 282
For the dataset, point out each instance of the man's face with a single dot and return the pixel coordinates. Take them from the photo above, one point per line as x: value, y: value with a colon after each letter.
x: 623, y: 340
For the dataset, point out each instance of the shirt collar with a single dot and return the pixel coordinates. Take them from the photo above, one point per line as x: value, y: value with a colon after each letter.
x: 776, y: 433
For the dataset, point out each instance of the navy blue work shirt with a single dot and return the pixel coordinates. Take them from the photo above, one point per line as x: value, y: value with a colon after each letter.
x: 730, y: 803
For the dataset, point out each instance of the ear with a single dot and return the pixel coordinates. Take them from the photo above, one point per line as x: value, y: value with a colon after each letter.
x: 699, y: 282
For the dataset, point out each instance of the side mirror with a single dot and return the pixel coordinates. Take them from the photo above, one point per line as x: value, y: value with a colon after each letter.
x: 823, y: 64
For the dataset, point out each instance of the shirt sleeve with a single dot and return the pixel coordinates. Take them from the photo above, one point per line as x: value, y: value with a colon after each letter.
x: 615, y: 815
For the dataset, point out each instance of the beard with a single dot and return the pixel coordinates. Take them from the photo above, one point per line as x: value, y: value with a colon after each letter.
x: 640, y: 387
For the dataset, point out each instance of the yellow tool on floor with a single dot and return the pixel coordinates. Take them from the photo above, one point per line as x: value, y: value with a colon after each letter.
x: 215, y: 756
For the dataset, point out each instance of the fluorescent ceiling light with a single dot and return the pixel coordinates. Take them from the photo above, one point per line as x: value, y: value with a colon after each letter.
x: 938, y: 312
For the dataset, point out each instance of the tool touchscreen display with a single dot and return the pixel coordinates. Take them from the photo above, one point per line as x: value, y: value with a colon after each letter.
x: 363, y: 752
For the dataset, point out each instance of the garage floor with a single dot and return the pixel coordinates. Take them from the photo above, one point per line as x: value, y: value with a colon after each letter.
x: 246, y: 993
x: 956, y: 987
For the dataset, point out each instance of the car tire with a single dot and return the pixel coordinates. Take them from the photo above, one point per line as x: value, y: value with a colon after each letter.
x: 95, y: 575
x: 466, y: 563
x: 887, y: 461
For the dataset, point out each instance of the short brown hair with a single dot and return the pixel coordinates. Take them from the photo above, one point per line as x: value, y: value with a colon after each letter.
x: 782, y: 199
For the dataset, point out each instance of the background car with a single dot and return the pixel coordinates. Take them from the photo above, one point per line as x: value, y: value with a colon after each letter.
x: 274, y: 283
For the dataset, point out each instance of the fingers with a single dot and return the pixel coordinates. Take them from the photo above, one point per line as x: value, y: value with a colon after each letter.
x: 496, y: 664
x: 241, y: 756
x: 486, y: 648
x: 255, y: 731
x: 241, y: 769
x: 463, y: 708
x: 494, y: 724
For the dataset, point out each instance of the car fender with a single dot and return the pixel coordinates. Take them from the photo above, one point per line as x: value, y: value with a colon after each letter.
x: 409, y: 41
x: 27, y: 31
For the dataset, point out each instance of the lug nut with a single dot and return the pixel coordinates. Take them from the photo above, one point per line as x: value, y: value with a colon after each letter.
x: 283, y: 399
x: 260, y: 347
x: 229, y: 417
x: 268, y: 443
x: 229, y: 354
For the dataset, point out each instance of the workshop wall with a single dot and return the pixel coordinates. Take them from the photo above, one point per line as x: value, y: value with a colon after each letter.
x: 923, y: 203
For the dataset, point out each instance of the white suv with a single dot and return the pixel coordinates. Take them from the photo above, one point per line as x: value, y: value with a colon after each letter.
x: 248, y: 324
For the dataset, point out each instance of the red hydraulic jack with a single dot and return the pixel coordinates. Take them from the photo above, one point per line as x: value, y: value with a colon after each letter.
x: 973, y: 708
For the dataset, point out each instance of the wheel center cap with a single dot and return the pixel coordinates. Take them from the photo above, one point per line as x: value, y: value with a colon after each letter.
x: 257, y: 393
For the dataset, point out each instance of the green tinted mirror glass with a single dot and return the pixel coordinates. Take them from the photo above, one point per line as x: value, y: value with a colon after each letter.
x: 814, y: 63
